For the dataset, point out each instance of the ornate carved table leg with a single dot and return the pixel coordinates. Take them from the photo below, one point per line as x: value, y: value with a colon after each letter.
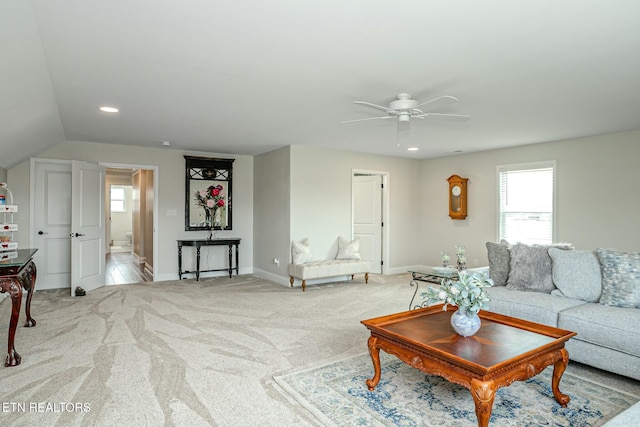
x: 483, y: 394
x: 28, y: 282
x: 558, y: 370
x: 375, y: 358
x: 14, y: 289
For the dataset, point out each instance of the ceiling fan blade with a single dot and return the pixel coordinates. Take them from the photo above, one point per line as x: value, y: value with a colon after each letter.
x: 377, y: 107
x: 450, y: 98
x: 369, y: 118
x: 455, y: 117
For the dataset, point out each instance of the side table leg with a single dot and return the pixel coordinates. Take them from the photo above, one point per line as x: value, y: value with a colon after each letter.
x: 237, y: 260
x: 30, y: 286
x: 197, y: 263
x: 179, y: 261
x: 14, y: 289
x: 483, y: 395
x: 375, y: 358
x: 230, y: 258
x: 558, y: 370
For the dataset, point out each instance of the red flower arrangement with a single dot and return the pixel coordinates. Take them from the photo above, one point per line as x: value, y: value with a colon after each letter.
x: 211, y: 200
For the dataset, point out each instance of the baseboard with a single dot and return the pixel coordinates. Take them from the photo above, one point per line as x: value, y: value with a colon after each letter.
x: 148, y: 268
x: 281, y: 280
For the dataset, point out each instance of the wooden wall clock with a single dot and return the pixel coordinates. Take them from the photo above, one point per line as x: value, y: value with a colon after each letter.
x: 457, y: 197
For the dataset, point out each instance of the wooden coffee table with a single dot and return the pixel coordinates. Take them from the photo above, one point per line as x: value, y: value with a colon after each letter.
x: 504, y: 350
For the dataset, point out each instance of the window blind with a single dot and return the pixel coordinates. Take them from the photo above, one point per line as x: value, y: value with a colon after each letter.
x: 526, y: 196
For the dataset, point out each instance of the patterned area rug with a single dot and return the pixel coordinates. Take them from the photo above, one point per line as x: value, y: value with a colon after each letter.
x: 338, y: 396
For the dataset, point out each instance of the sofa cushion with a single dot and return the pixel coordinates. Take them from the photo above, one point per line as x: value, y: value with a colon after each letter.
x: 498, y: 255
x: 620, y: 278
x: 301, y: 251
x: 530, y: 267
x: 533, y: 306
x: 611, y: 327
x: 576, y: 274
x: 348, y: 249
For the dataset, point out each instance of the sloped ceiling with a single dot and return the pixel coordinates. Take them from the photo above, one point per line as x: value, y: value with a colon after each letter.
x: 249, y: 76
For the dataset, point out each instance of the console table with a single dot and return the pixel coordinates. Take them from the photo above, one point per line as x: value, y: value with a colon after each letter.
x: 198, y: 243
x: 17, y: 272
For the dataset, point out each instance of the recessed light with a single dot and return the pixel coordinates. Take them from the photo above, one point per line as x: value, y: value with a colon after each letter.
x: 412, y: 149
x: 166, y: 143
x: 106, y: 109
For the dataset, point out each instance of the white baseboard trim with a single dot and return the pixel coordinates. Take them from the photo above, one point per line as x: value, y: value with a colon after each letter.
x: 280, y: 280
x: 174, y: 276
x: 402, y: 270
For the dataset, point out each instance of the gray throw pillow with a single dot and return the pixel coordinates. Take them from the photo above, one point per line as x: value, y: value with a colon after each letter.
x: 576, y: 274
x: 498, y: 255
x: 530, y: 268
x: 620, y: 278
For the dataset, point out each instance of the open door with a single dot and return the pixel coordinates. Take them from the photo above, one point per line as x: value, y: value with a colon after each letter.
x: 87, y: 226
x: 367, y: 218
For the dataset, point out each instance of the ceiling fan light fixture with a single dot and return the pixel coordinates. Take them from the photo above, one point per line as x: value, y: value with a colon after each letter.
x: 405, y: 108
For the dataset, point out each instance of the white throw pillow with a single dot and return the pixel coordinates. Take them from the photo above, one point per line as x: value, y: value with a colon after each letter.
x: 348, y: 249
x: 301, y: 251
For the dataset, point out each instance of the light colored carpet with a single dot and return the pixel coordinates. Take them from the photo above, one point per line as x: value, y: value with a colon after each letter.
x: 188, y: 353
x: 337, y: 394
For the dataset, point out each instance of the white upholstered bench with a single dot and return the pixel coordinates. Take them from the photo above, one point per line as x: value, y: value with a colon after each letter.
x: 328, y: 268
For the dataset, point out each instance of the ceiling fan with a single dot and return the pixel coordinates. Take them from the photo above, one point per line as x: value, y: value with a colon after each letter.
x: 405, y: 108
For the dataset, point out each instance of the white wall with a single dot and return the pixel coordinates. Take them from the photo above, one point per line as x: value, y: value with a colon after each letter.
x: 321, y: 201
x: 597, y: 200
x: 272, y: 214
x: 171, y: 196
x: 597, y: 203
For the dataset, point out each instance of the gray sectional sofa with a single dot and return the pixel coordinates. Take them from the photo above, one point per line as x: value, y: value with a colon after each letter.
x: 593, y: 293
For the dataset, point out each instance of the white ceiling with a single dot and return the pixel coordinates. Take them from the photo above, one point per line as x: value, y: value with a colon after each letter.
x: 250, y: 76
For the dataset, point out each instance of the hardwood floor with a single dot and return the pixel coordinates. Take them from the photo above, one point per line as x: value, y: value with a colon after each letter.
x: 122, y: 268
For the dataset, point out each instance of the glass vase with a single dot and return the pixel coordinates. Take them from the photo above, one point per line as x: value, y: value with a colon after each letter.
x: 464, y: 324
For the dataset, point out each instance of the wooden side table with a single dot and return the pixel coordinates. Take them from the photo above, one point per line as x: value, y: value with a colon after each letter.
x: 17, y: 272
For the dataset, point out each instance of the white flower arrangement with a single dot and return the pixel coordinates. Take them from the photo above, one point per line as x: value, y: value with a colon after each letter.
x: 468, y: 292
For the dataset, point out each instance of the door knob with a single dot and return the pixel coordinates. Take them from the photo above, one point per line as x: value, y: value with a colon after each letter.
x: 75, y: 235
x: 42, y: 232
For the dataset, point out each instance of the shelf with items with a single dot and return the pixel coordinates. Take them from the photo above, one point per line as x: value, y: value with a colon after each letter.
x: 7, y: 224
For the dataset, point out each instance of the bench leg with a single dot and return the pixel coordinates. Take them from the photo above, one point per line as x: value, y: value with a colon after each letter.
x: 291, y: 281
x: 304, y: 285
x: 366, y: 277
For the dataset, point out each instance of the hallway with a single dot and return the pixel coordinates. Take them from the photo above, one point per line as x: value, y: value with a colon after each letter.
x: 121, y: 268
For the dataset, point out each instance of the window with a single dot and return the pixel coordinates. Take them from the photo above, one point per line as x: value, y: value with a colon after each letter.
x: 526, y: 202
x: 118, y: 199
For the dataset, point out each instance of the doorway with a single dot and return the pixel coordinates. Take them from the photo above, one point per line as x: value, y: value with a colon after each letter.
x: 130, y: 212
x: 370, y: 216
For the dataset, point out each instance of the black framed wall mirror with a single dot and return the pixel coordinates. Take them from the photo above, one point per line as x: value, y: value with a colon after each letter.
x: 208, y: 190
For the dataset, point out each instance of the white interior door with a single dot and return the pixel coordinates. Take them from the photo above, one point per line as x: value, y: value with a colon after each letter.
x: 52, y: 223
x: 367, y: 218
x: 87, y: 226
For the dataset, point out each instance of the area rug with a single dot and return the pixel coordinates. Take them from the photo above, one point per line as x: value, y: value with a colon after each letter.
x: 337, y: 395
